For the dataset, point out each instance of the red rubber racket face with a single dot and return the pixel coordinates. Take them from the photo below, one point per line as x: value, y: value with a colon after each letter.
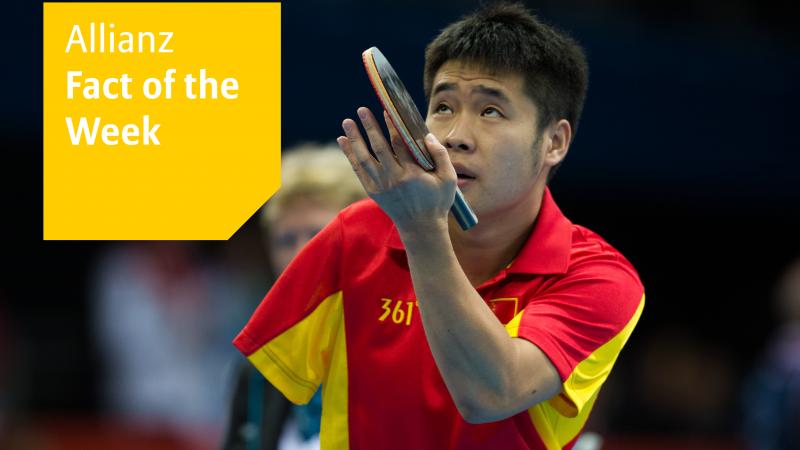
x: 399, y: 105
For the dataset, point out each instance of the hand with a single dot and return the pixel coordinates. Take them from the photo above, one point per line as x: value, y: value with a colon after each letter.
x: 414, y: 199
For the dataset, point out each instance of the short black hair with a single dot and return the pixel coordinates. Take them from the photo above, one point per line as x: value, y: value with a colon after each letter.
x: 507, y: 38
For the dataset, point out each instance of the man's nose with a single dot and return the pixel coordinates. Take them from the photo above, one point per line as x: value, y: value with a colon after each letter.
x: 460, y: 137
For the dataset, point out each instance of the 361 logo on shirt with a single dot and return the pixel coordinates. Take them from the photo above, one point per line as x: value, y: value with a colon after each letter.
x: 398, y: 311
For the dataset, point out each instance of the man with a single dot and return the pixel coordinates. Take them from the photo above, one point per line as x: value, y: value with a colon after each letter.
x: 427, y: 336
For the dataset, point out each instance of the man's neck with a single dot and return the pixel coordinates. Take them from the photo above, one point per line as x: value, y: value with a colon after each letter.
x: 496, y: 240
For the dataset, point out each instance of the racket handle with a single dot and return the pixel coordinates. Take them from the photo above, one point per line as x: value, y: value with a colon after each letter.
x: 462, y: 212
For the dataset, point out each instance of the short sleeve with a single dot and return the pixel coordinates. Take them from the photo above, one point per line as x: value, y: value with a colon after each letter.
x: 581, y: 322
x: 291, y: 335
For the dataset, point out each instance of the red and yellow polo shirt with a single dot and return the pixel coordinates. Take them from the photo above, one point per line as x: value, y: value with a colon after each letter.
x: 344, y: 315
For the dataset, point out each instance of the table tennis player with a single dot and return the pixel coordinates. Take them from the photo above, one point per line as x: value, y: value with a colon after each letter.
x: 427, y: 336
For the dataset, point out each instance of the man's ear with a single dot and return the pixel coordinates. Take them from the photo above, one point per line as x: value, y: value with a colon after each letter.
x: 559, y: 136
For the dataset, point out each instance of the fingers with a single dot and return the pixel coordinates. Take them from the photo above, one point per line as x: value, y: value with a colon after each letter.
x: 383, y: 152
x: 401, y: 151
x: 361, y: 168
x: 357, y: 152
x: 373, y: 171
x: 444, y: 168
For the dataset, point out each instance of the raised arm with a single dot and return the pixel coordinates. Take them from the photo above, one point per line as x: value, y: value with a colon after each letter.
x: 489, y: 374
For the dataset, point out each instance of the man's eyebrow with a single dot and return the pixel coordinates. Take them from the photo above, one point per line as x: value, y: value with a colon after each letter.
x: 481, y: 89
x: 442, y: 87
x: 491, y: 92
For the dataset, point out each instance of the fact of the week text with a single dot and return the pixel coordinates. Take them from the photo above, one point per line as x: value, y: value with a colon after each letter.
x: 103, y: 39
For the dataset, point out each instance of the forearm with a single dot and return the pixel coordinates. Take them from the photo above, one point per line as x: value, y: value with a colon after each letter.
x: 474, y: 353
x: 490, y: 375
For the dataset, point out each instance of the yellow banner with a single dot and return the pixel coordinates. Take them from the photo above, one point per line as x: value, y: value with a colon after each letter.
x: 161, y: 120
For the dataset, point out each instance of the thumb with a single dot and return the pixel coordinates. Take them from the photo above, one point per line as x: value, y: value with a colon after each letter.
x: 439, y: 154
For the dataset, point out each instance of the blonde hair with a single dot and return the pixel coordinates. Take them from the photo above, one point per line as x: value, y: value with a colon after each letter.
x: 316, y: 173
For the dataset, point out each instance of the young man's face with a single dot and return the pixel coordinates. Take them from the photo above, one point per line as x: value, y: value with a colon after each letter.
x: 488, y: 125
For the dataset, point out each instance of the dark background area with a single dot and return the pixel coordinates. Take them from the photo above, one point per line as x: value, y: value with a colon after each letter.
x: 686, y: 161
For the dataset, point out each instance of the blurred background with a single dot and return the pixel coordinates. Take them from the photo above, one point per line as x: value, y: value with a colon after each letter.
x: 685, y: 160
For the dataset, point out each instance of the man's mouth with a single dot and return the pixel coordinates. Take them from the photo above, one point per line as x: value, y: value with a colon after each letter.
x: 465, y: 176
x: 463, y: 173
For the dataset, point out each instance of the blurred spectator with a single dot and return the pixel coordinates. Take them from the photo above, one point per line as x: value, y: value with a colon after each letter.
x: 772, y: 395
x: 317, y: 183
x: 163, y: 319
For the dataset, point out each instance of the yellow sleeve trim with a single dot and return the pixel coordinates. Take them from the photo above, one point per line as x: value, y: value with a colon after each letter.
x: 297, y: 361
x: 296, y: 389
x: 334, y: 432
x: 589, y: 375
x: 564, y: 405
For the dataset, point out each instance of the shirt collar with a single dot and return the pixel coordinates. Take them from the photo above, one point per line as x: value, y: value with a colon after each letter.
x: 547, y: 249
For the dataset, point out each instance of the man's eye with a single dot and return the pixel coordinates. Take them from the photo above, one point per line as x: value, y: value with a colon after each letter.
x: 443, y: 109
x: 491, y: 112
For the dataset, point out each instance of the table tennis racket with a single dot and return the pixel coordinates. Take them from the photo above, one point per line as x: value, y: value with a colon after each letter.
x: 406, y: 118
